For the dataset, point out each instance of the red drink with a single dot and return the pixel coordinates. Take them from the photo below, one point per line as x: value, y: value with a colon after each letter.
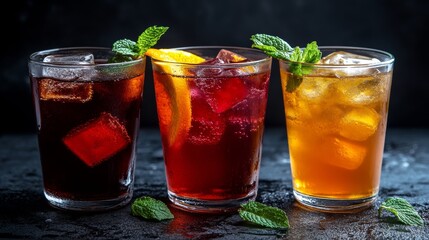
x: 211, y: 122
x: 87, y: 129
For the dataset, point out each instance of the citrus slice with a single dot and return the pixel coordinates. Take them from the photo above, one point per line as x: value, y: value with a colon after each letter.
x: 174, y: 55
x: 174, y: 108
x: 173, y: 96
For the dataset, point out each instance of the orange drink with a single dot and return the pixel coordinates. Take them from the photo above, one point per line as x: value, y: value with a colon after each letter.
x: 336, y: 124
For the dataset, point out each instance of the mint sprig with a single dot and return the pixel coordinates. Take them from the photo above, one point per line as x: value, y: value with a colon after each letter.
x: 264, y: 215
x: 151, y: 209
x: 403, y: 210
x: 278, y: 48
x: 126, y: 50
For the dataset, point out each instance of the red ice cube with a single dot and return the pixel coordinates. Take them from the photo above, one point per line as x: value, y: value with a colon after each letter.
x: 207, y: 127
x: 97, y: 139
x: 249, y: 114
x: 223, y: 93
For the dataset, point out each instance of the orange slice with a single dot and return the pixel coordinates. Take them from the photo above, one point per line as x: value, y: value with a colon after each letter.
x: 173, y: 96
x: 174, y: 55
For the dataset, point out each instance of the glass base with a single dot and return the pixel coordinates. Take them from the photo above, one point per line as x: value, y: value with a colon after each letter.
x: 334, y: 205
x: 88, y: 206
x: 204, y: 206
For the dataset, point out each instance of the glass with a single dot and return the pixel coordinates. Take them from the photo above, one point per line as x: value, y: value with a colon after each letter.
x: 336, y: 125
x: 88, y: 116
x: 211, y: 118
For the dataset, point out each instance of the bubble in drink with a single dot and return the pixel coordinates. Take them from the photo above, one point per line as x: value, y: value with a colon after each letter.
x: 207, y: 127
x: 98, y: 139
x: 244, y: 116
x: 359, y: 124
x: 65, y: 91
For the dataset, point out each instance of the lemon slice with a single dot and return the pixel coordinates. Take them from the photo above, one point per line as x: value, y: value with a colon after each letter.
x: 173, y: 96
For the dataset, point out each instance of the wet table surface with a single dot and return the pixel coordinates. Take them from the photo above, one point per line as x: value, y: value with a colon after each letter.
x: 24, y: 212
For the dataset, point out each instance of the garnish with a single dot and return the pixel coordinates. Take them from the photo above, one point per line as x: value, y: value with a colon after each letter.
x: 174, y: 55
x: 402, y: 209
x: 264, y: 215
x: 278, y: 48
x: 127, y: 50
x: 150, y: 208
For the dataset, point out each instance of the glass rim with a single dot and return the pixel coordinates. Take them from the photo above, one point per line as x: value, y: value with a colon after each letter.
x: 390, y: 58
x: 225, y: 65
x: 32, y: 58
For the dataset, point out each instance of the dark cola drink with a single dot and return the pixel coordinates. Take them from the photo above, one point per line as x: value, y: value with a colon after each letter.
x: 88, y: 119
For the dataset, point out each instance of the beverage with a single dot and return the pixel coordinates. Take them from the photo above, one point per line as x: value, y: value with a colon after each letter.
x: 336, y: 124
x: 211, y: 118
x: 88, y: 115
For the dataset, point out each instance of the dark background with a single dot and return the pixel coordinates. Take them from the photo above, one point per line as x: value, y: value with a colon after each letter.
x: 396, y: 26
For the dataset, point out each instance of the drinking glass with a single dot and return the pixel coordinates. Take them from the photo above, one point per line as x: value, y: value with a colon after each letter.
x: 88, y: 116
x: 336, y: 125
x: 211, y: 119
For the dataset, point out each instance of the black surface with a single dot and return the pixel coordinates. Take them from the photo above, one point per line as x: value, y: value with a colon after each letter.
x: 396, y: 26
x: 24, y: 213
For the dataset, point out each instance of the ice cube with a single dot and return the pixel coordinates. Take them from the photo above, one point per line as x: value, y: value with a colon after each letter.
x: 70, y: 59
x: 343, y: 58
x: 248, y: 115
x: 346, y: 58
x: 69, y: 73
x: 217, y: 70
x: 314, y: 88
x: 327, y: 122
x: 207, y: 127
x: 372, y: 90
x: 222, y: 93
x: 356, y: 90
x: 343, y: 153
x: 359, y: 124
x: 224, y: 57
x: 134, y: 88
x: 65, y: 91
x: 227, y: 56
x: 98, y: 139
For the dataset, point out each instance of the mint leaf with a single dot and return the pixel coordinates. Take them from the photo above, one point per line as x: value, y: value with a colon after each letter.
x: 264, y: 215
x: 311, y: 53
x: 126, y: 47
x: 277, y: 48
x: 293, y: 82
x: 150, y: 208
x: 127, y: 50
x: 403, y: 210
x: 273, y: 41
x: 150, y: 37
x: 273, y: 52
